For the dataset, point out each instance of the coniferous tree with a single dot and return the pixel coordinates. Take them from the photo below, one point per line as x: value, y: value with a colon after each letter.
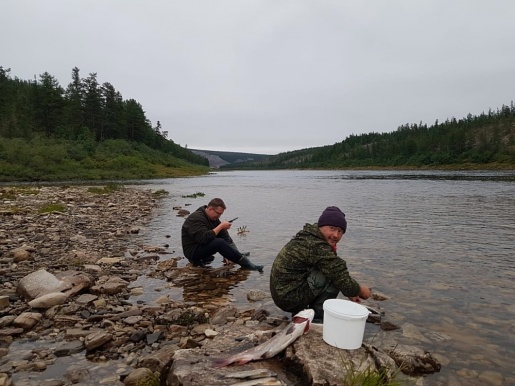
x: 93, y: 107
x: 113, y: 113
x: 74, y: 96
x: 137, y: 126
x: 6, y: 98
x: 48, y: 104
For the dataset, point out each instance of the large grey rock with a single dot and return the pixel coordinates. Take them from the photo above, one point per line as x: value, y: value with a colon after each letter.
x: 387, y: 359
x: 307, y: 353
x: 413, y: 360
x: 40, y: 283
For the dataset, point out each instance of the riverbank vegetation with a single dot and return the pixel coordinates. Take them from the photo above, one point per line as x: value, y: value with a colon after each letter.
x: 89, y: 132
x: 86, y: 131
x: 485, y: 141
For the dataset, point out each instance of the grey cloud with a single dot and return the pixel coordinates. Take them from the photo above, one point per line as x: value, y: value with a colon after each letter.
x: 270, y: 76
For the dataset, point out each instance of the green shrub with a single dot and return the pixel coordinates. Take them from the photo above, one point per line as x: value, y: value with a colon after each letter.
x: 151, y: 379
x: 367, y: 375
x: 50, y: 208
x: 194, y: 195
x: 160, y: 193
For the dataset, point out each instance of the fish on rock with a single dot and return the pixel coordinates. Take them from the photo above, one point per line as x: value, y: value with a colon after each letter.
x: 298, y: 326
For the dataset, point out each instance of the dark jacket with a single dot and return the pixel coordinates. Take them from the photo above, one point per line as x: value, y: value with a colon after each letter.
x: 198, y: 230
x: 291, y: 268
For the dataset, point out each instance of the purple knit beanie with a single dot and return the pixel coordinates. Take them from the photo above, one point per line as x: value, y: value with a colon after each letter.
x: 333, y: 216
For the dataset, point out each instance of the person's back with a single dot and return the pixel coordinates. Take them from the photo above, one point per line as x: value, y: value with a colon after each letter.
x: 293, y: 264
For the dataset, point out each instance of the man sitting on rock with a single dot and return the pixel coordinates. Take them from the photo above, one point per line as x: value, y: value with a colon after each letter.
x: 203, y: 235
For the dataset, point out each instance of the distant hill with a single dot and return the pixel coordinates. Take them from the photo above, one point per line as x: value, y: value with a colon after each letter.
x: 485, y: 141
x: 221, y: 158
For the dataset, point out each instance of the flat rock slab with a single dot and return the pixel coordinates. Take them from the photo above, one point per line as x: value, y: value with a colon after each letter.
x: 314, y: 362
x: 323, y: 364
x: 193, y: 367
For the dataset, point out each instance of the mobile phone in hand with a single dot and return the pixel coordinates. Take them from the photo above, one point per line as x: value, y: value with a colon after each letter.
x: 233, y: 219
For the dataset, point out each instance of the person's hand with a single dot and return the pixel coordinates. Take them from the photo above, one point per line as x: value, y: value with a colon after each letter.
x: 364, y: 292
x: 225, y: 224
x: 228, y: 262
x: 220, y: 227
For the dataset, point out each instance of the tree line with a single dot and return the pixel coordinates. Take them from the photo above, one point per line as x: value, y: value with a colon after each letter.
x: 488, y: 138
x: 86, y: 112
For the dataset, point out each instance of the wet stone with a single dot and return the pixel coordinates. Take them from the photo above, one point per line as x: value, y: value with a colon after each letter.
x: 4, y: 302
x: 138, y: 335
x: 69, y: 348
x: 132, y: 320
x: 86, y: 298
x: 154, y: 337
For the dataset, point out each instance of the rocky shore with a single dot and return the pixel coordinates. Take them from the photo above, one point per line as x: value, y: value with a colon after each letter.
x: 70, y: 261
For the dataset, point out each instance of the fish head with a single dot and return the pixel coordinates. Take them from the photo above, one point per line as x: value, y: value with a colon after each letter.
x: 305, y: 316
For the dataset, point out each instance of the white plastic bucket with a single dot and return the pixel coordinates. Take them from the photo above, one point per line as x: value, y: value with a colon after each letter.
x: 344, y: 323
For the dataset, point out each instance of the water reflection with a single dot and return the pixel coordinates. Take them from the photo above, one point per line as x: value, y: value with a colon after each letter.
x: 209, y: 285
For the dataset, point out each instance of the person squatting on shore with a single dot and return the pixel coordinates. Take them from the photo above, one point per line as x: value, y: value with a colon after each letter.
x: 307, y: 271
x: 203, y: 235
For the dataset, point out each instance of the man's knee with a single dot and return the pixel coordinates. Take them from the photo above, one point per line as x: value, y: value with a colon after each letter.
x: 319, y: 283
x: 218, y: 243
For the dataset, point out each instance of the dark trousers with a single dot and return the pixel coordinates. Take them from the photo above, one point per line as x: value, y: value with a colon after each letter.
x: 321, y: 290
x: 317, y: 304
x: 218, y: 245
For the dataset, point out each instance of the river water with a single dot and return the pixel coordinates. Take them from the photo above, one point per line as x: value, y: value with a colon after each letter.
x: 441, y: 245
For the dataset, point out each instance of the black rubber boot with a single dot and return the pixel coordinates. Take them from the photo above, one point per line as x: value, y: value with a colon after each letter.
x: 246, y: 254
x: 317, y: 305
x: 244, y: 262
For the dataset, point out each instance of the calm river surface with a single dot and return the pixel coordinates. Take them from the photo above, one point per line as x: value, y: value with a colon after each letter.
x: 441, y: 245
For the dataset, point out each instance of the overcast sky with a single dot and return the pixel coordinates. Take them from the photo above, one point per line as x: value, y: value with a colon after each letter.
x: 268, y: 76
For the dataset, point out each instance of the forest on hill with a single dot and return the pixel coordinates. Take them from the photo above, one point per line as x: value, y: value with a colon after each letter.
x: 86, y: 131
x: 220, y: 158
x: 486, y: 140
x: 89, y: 131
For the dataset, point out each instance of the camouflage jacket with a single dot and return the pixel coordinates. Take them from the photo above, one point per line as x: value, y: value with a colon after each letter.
x: 198, y: 230
x: 306, y: 251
